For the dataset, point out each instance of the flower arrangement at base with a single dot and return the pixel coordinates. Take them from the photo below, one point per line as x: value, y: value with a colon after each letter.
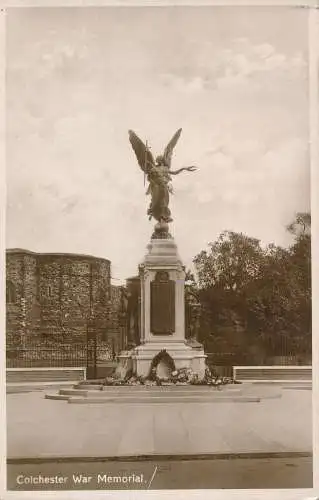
x: 181, y: 376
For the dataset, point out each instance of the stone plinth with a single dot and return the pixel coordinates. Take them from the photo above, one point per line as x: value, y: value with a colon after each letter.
x: 182, y: 355
x: 162, y: 277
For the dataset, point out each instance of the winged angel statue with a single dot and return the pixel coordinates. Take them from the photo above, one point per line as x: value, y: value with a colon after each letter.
x: 158, y: 174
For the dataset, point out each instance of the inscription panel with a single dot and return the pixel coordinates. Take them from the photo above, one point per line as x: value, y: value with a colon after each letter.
x: 162, y: 304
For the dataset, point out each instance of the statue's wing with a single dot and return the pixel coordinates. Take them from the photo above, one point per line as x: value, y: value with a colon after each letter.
x: 144, y: 156
x: 170, y: 147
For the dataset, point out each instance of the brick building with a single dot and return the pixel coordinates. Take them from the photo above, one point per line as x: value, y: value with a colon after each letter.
x: 60, y: 297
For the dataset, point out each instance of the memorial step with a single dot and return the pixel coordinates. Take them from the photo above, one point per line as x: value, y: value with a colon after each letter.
x: 91, y: 387
x: 57, y: 397
x: 162, y: 400
x: 148, y: 395
x: 72, y: 392
x: 121, y: 393
x: 170, y: 395
x: 94, y: 393
x: 298, y: 387
x: 163, y: 387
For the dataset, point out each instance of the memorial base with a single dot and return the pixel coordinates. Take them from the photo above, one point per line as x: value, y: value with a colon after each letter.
x: 162, y: 315
x: 166, y: 357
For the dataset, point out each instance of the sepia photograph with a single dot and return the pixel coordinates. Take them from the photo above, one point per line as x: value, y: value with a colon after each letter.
x: 158, y: 248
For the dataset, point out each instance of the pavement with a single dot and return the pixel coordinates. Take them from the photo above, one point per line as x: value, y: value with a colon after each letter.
x: 19, y: 387
x: 276, y: 421
x: 238, y: 473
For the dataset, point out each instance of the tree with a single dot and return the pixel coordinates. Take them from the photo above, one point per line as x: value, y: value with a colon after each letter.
x: 301, y: 250
x: 301, y: 225
x: 233, y: 260
x: 301, y: 265
x: 224, y: 272
x: 271, y: 300
x: 257, y: 296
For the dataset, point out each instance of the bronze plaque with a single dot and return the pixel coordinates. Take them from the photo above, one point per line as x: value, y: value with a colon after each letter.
x: 162, y: 304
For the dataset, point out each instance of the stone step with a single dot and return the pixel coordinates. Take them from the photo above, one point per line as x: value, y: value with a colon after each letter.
x: 17, y: 388
x: 162, y: 389
x: 283, y: 383
x: 176, y: 397
x: 298, y: 387
x: 163, y: 396
x: 147, y: 393
x: 99, y: 381
x: 72, y: 392
x: 88, y: 387
x: 162, y: 400
x: 186, y: 387
x: 150, y: 395
x: 171, y: 396
x: 60, y: 397
x: 82, y: 392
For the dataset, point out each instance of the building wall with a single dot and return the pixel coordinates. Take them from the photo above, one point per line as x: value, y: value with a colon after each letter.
x: 30, y: 306
x: 59, y: 296
x: 14, y: 299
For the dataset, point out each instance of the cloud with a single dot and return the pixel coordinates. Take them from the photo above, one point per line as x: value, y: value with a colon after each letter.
x: 179, y: 83
x: 268, y: 174
x: 73, y: 181
x: 235, y: 65
x: 244, y: 60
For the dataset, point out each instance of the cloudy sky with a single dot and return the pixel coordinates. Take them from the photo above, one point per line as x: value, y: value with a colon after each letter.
x: 235, y: 80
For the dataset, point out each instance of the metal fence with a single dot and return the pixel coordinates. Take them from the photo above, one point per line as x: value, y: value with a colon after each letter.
x: 223, y: 363
x: 84, y: 354
x: 72, y: 355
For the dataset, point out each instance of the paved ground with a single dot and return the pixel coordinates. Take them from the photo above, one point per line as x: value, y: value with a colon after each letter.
x: 43, y: 428
x: 192, y: 474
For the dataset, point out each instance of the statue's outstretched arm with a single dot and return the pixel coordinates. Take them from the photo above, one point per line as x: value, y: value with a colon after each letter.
x: 188, y: 169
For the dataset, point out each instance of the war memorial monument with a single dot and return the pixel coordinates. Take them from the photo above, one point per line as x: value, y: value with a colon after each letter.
x: 162, y: 279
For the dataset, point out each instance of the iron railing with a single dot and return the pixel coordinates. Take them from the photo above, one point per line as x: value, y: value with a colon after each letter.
x: 72, y: 355
x: 82, y: 354
x: 223, y: 362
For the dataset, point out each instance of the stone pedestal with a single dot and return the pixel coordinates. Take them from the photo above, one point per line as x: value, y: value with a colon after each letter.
x: 162, y: 326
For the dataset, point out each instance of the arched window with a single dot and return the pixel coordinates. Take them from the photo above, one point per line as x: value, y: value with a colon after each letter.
x: 11, y: 295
